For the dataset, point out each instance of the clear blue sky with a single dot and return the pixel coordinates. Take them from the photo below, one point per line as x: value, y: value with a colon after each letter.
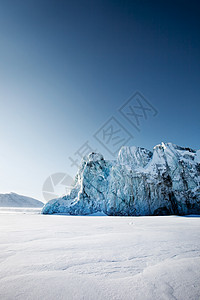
x: 67, y: 66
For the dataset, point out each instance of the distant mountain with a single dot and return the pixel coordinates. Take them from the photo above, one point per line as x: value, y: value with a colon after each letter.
x: 15, y: 200
x: 140, y: 182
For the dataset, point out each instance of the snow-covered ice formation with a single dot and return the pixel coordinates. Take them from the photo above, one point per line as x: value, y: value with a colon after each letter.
x: 140, y: 182
x: 15, y: 200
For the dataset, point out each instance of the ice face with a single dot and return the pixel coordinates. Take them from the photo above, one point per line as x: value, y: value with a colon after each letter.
x: 134, y: 156
x: 139, y: 182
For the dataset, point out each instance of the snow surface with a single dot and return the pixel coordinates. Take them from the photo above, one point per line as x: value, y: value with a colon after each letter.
x: 98, y: 257
x: 15, y: 200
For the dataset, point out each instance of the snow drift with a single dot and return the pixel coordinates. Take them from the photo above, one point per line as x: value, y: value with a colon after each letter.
x: 140, y: 182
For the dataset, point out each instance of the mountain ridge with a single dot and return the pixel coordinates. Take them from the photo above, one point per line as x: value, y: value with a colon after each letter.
x: 16, y: 200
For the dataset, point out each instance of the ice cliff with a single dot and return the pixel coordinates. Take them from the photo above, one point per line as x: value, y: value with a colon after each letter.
x: 139, y: 182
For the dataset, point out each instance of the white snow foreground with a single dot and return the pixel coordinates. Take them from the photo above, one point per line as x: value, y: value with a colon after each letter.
x: 140, y: 182
x: 94, y: 258
x: 15, y: 200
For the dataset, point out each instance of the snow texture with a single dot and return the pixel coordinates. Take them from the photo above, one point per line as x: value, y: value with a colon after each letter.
x: 140, y: 182
x: 102, y: 258
x: 15, y: 200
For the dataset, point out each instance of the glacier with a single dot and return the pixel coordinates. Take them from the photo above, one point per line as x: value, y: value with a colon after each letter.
x: 139, y: 182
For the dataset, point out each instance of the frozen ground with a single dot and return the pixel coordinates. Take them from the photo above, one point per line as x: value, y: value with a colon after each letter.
x: 69, y: 257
